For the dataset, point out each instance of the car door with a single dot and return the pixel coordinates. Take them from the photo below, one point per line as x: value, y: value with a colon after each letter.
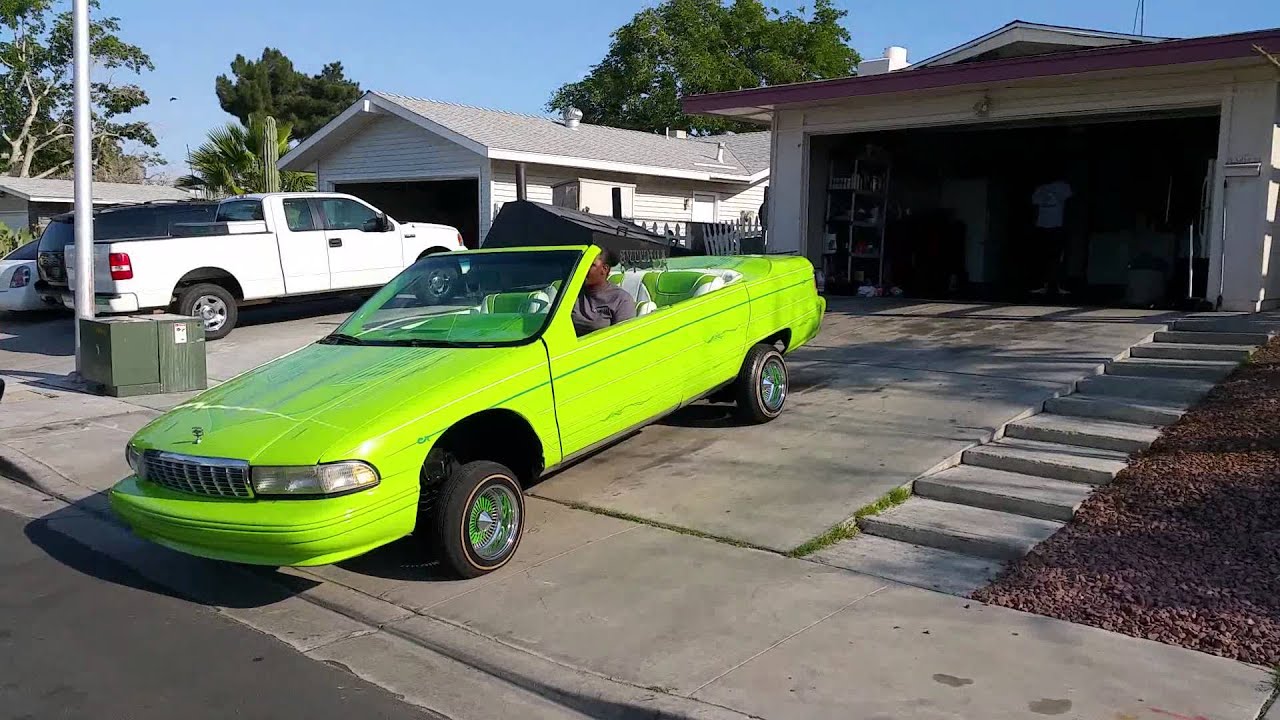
x: 616, y: 379
x: 304, y: 253
x: 360, y: 253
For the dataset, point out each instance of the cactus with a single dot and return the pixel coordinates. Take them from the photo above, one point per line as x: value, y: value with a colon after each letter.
x: 270, y: 155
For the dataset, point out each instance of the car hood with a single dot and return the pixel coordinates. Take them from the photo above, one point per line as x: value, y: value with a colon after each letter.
x: 293, y: 409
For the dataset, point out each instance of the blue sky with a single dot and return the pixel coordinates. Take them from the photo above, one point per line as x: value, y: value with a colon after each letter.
x: 511, y: 54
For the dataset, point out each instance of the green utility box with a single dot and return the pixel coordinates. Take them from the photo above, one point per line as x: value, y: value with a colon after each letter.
x: 143, y: 354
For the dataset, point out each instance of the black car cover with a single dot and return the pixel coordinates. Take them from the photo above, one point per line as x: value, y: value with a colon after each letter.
x: 523, y: 223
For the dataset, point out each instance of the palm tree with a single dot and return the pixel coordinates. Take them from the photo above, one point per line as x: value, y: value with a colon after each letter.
x: 229, y: 162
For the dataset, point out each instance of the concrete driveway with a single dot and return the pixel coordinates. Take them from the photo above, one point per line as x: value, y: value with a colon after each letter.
x: 887, y: 391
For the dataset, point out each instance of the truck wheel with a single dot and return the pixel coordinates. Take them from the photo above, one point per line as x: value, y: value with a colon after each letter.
x: 438, y: 283
x: 761, y: 387
x: 213, y: 304
x: 479, y: 519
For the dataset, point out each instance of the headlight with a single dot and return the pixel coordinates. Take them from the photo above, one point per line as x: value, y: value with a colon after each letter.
x: 328, y: 479
x: 133, y: 456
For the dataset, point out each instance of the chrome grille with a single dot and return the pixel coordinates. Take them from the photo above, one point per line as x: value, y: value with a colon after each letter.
x: 217, y: 477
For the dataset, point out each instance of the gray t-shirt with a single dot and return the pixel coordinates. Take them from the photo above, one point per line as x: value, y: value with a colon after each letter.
x: 598, y: 309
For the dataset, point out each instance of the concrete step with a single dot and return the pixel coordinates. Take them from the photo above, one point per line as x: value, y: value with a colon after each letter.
x: 1206, y: 337
x: 926, y: 567
x: 1210, y: 370
x: 1156, y: 391
x: 960, y: 528
x: 1253, y: 323
x: 1090, y: 433
x: 1130, y: 411
x: 1051, y: 460
x: 1189, y: 351
x: 1027, y: 495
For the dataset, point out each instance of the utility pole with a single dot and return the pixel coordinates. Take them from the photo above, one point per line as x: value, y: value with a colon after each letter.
x: 83, y: 170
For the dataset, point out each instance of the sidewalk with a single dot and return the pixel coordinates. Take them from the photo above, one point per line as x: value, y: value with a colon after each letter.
x: 602, y: 617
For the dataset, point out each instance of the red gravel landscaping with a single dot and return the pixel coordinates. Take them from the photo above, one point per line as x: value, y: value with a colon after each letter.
x: 1184, y: 546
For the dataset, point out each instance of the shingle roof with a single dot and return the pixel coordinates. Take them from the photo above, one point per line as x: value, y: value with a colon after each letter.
x: 47, y: 190
x: 746, y: 154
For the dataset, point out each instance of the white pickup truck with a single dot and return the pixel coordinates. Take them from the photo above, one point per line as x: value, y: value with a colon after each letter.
x: 261, y: 248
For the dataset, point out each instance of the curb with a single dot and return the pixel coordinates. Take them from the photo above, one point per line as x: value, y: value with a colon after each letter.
x: 439, y: 666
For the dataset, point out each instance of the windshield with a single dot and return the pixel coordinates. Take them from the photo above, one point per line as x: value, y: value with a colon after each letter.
x: 463, y: 299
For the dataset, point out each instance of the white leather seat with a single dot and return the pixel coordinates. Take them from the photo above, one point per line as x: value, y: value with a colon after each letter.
x: 716, y: 283
x: 644, y: 304
x: 539, y: 303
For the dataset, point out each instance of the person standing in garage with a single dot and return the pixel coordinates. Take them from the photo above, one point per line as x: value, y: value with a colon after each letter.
x: 1050, y: 200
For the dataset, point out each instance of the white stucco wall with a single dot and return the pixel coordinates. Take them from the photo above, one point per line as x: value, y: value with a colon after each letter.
x: 1247, y: 274
x: 1250, y: 107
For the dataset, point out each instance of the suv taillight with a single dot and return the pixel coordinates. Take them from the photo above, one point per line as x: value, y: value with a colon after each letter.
x: 21, y: 277
x: 121, y: 268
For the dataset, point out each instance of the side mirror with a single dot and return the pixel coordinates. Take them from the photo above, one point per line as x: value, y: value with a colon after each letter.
x: 377, y: 223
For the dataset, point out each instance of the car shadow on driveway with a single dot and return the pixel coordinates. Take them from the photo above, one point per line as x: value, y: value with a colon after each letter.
x: 121, y: 557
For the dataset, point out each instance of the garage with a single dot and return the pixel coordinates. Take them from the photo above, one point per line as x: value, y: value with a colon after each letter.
x: 1035, y: 164
x: 1103, y: 210
x: 447, y: 202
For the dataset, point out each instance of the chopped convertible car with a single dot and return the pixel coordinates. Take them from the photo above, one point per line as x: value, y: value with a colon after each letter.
x: 429, y: 415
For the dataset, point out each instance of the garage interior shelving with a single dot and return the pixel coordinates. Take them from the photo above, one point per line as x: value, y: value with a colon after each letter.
x: 856, y: 209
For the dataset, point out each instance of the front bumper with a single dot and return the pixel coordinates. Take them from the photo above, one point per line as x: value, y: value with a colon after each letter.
x: 106, y: 304
x: 269, y: 532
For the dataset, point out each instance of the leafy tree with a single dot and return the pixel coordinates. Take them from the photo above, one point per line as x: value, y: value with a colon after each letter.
x: 36, y: 93
x: 271, y: 86
x: 229, y: 162
x: 687, y: 47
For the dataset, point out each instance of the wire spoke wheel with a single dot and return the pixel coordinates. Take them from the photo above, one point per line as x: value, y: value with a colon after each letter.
x: 493, y: 522
x: 761, y: 387
x: 773, y: 384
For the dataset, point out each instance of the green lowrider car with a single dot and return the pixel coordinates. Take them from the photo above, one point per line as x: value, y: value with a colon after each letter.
x: 451, y: 390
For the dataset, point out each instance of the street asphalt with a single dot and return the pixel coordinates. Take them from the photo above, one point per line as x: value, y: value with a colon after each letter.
x: 112, y: 645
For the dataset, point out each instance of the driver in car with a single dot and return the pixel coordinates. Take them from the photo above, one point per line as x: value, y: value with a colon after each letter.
x: 601, y: 303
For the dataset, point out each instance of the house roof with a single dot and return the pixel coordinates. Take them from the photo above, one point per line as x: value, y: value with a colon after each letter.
x: 49, y: 190
x: 1026, y: 38
x: 758, y: 103
x: 502, y: 135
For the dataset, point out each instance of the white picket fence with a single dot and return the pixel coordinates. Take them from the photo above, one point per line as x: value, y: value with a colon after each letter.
x: 718, y: 238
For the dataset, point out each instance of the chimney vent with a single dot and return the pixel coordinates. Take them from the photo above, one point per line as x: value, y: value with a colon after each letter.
x: 572, y: 116
x: 895, y: 58
x: 720, y: 152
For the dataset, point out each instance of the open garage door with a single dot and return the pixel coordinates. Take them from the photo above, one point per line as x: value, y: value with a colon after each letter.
x: 1099, y: 210
x: 448, y: 202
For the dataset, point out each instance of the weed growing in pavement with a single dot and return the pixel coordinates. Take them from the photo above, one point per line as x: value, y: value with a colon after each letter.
x: 654, y: 523
x: 843, y: 531
x: 849, y: 528
x: 893, y: 498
